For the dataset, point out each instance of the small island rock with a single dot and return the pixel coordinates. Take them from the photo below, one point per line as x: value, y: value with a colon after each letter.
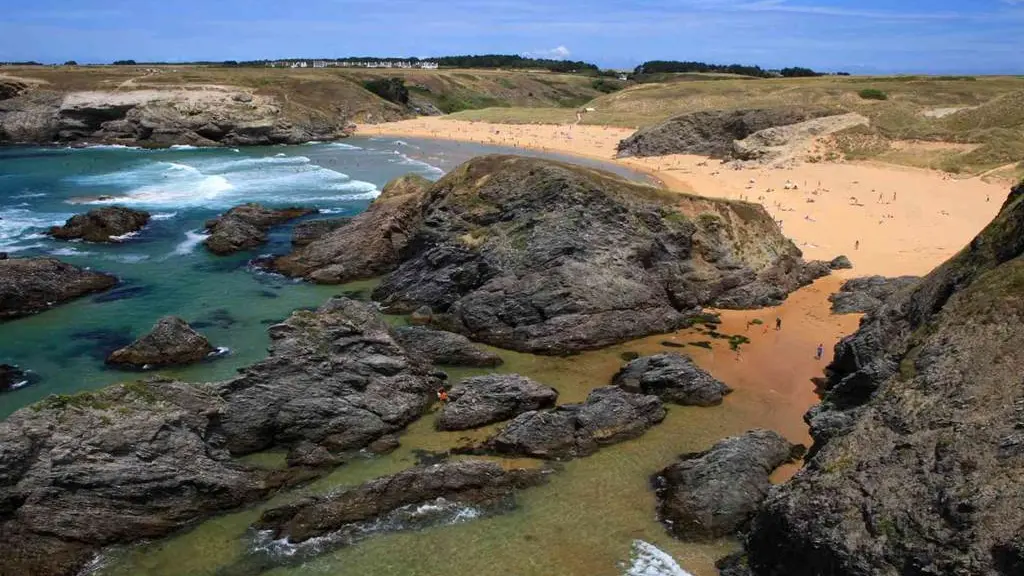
x: 245, y: 227
x: 101, y: 225
x: 171, y: 341
x: 32, y: 285
x: 483, y: 400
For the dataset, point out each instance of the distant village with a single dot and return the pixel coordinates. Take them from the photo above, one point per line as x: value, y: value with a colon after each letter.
x: 422, y: 64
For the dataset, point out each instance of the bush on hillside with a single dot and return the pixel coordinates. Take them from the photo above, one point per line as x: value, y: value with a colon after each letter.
x: 390, y: 89
x: 873, y: 94
x: 607, y: 86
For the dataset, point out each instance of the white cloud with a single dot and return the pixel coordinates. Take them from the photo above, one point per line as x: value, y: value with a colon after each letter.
x: 558, y: 53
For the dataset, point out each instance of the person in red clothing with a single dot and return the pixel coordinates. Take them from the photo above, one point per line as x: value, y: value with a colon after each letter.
x: 442, y: 394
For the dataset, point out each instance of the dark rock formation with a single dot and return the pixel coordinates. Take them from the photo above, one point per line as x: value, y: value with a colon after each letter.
x: 673, y: 378
x: 244, y: 227
x: 918, y: 456
x: 370, y: 244
x: 710, y: 132
x: 307, y: 232
x: 335, y: 377
x: 483, y: 400
x: 125, y: 463
x: 444, y: 348
x: 101, y: 224
x: 552, y: 258
x: 862, y: 295
x: 157, y: 117
x: 715, y: 493
x: 390, y: 89
x: 12, y: 377
x: 463, y: 482
x: 171, y: 341
x: 32, y: 285
x: 609, y: 415
x: 840, y: 263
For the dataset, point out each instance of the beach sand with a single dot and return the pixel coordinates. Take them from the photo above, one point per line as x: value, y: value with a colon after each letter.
x: 835, y: 205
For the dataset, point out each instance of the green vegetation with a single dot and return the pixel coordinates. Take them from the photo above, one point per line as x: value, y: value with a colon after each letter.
x: 141, y: 391
x: 675, y: 67
x: 737, y: 340
x: 873, y: 94
x: 390, y: 89
x: 607, y: 85
x: 81, y: 400
x: 701, y: 344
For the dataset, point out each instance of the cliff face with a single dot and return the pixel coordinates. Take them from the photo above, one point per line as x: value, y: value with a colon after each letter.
x: 919, y: 450
x: 202, y: 117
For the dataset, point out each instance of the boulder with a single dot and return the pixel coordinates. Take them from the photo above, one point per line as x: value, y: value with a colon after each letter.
x: 101, y: 225
x: 445, y: 348
x: 32, y: 285
x: 171, y: 342
x: 711, y: 132
x: 715, y: 493
x: 863, y: 295
x: 608, y: 416
x: 918, y: 454
x: 840, y: 263
x: 483, y: 400
x: 478, y: 484
x: 13, y: 378
x: 245, y: 227
x: 367, y: 246
x: 307, y: 232
x: 544, y: 257
x: 673, y: 378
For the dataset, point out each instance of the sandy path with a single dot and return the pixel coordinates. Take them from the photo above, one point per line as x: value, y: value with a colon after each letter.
x: 931, y: 218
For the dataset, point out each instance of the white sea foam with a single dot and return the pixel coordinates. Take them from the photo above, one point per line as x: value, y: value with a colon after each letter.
x: 19, y: 248
x: 69, y: 252
x: 28, y: 195
x: 18, y: 225
x: 425, y: 167
x: 648, y: 560
x: 192, y: 239
x: 164, y: 215
x: 125, y: 236
x: 343, y: 146
x: 185, y: 147
x: 127, y: 258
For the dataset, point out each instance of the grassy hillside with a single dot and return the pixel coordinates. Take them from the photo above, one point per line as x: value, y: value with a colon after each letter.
x: 959, y: 124
x: 336, y: 91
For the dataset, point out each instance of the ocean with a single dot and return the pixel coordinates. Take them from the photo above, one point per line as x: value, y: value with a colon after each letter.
x: 164, y: 269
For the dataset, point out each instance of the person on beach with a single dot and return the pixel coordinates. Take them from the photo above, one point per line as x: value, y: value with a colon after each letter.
x: 778, y: 323
x: 856, y: 244
x: 819, y: 352
x: 442, y: 395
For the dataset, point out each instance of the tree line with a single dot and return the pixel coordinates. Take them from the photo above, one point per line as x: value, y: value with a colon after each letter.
x: 677, y: 67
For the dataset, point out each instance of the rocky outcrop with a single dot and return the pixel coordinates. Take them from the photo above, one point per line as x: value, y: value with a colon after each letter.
x: 917, y: 455
x: 32, y: 285
x: 335, y: 377
x: 782, y: 145
x: 125, y: 463
x: 207, y: 116
x: 673, y: 378
x: 444, y: 348
x: 710, y: 132
x: 13, y: 378
x: 840, y: 263
x: 545, y: 257
x: 171, y: 342
x: 862, y: 295
x: 463, y: 483
x: 370, y: 244
x: 305, y: 233
x: 101, y: 225
x: 483, y: 400
x: 245, y: 227
x: 608, y: 416
x: 715, y: 493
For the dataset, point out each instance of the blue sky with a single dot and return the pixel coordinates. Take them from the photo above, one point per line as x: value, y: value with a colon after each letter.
x: 938, y: 36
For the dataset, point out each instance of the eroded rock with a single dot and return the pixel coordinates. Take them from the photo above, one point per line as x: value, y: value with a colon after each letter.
x: 171, y: 342
x: 863, y: 295
x: 32, y: 285
x: 245, y: 227
x: 101, y: 225
x: 307, y: 232
x: 673, y: 378
x: 445, y: 348
x: 483, y: 400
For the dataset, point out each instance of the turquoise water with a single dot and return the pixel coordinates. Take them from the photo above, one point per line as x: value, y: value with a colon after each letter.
x: 164, y: 269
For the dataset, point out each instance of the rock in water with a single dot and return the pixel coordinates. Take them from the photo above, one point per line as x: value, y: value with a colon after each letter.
x: 306, y: 233
x: 32, y: 285
x: 715, y: 493
x: 12, y: 378
x: 673, y: 378
x: 245, y: 226
x: 863, y: 295
x: 370, y: 244
x: 335, y: 377
x: 710, y: 132
x: 129, y: 462
x: 483, y: 400
x: 171, y: 341
x: 101, y: 224
x: 445, y: 348
x: 464, y: 482
x: 545, y: 257
x: 918, y: 451
x: 609, y: 415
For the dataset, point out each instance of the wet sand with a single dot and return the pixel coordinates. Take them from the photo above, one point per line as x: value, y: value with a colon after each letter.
x: 834, y: 205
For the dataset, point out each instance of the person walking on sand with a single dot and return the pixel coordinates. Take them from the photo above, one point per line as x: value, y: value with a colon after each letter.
x: 819, y: 352
x: 856, y: 244
x: 778, y: 323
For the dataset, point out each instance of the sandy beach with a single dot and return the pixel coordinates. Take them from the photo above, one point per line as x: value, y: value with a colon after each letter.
x: 889, y: 220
